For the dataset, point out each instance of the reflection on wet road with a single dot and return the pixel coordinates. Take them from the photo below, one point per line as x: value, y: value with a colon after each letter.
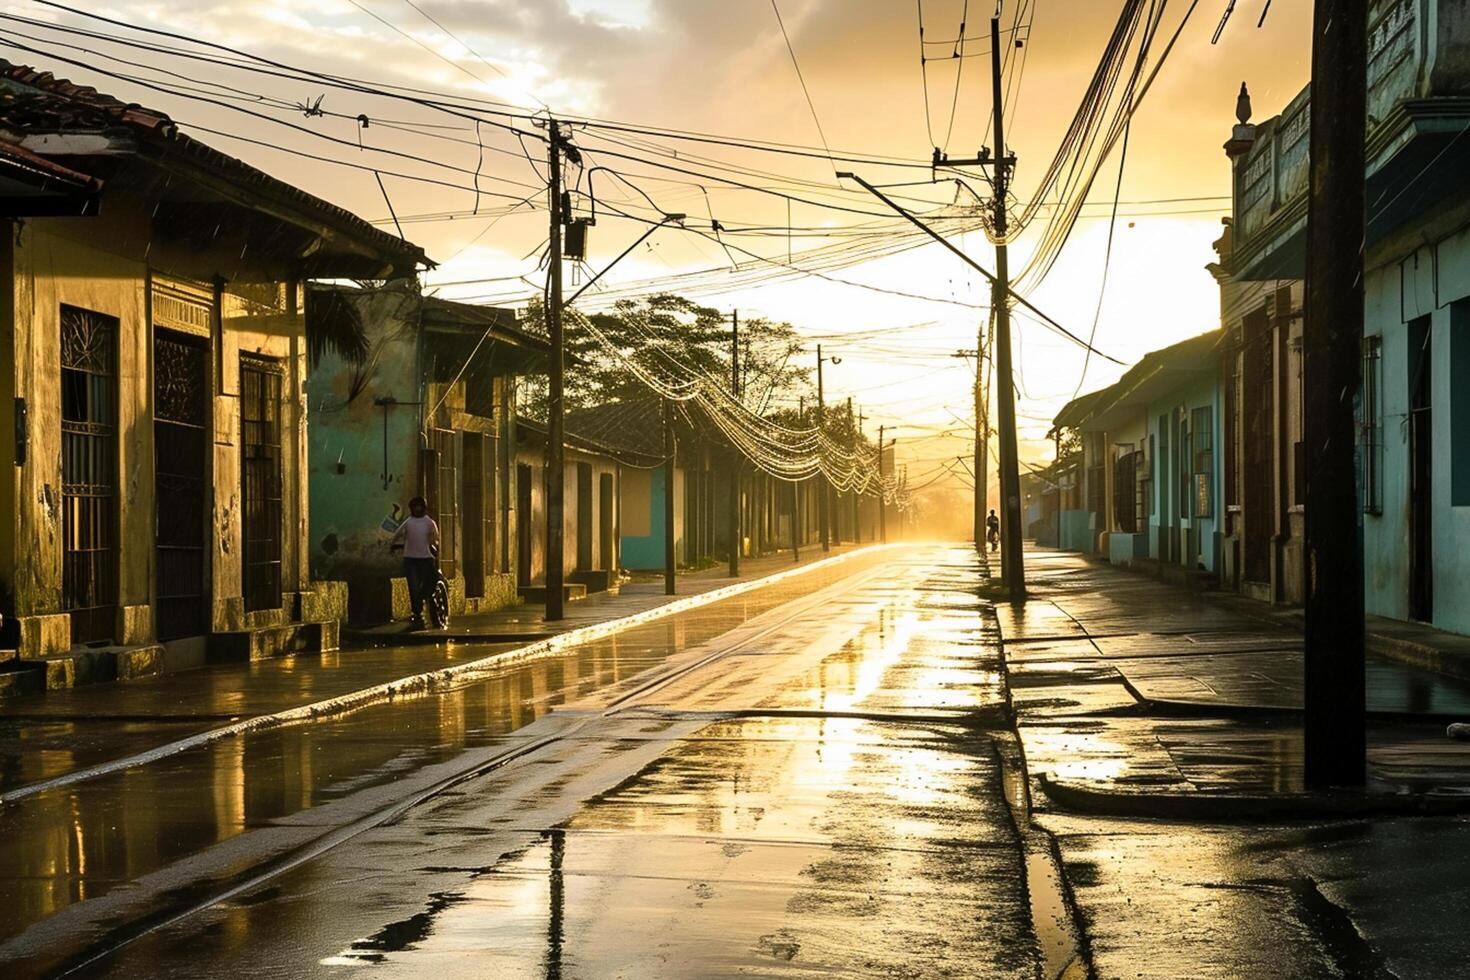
x: 80, y: 842
x: 815, y: 790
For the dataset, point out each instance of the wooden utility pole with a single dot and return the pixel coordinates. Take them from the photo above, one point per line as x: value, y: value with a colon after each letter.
x: 669, y: 560
x: 555, y: 450
x: 735, y: 541
x: 823, y: 487
x: 1010, y: 475
x: 1335, y: 747
x: 882, y: 505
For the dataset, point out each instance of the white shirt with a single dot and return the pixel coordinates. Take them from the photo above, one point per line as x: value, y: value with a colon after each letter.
x: 418, y: 533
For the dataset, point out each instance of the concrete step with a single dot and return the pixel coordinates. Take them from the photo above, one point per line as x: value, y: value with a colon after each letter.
x: 596, y: 580
x: 274, y: 641
x: 19, y: 678
x: 91, y: 665
x: 571, y: 592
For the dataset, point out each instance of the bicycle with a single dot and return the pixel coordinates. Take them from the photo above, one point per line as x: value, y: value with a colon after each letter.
x: 438, y: 598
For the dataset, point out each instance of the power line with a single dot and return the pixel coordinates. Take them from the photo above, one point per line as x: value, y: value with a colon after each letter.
x: 802, y: 79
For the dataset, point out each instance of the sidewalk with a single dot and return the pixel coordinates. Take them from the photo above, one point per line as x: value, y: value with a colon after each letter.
x: 527, y: 621
x: 48, y: 735
x: 1132, y: 695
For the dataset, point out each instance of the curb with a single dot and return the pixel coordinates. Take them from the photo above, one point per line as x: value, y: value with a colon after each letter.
x: 1220, y: 807
x: 1421, y: 655
x: 427, y: 681
x: 429, y: 637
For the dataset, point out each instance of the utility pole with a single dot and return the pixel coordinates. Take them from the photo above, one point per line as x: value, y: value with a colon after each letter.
x: 882, y: 505
x: 852, y: 494
x: 858, y: 498
x: 668, y: 497
x: 735, y: 542
x: 556, y: 452
x: 1010, y: 475
x: 1335, y: 746
x: 1010, y: 478
x: 824, y: 488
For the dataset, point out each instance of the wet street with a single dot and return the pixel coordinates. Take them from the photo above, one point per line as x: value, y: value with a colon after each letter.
x: 852, y: 771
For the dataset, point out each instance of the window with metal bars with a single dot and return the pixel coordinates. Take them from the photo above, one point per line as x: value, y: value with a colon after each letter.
x: 261, y: 479
x: 89, y: 472
x: 1202, y: 433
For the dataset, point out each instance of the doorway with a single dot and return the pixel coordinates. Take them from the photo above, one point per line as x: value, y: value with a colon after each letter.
x: 523, y: 524
x: 584, y: 517
x: 89, y: 473
x: 260, y: 479
x: 1258, y: 446
x: 606, y: 509
x: 1421, y: 469
x: 472, y: 502
x: 180, y: 462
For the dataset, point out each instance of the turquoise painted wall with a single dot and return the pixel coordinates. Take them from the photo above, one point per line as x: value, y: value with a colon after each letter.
x: 646, y: 552
x: 1201, y: 392
x: 356, y: 496
x: 1432, y: 282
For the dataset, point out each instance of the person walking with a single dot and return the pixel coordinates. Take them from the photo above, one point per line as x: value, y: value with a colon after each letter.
x: 418, y: 537
x: 992, y: 530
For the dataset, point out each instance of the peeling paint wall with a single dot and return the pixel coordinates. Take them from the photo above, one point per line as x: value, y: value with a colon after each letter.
x: 113, y: 265
x: 363, y: 460
x: 1432, y: 282
x: 532, y: 453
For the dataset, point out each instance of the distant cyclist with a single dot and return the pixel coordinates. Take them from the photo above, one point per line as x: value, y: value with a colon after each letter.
x: 418, y: 536
x: 992, y: 531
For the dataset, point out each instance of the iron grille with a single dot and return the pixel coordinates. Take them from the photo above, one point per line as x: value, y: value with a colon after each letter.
x: 88, y: 472
x: 180, y: 447
x: 260, y: 470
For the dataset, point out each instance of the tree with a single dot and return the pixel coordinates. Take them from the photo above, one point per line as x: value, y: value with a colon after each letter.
x: 667, y: 336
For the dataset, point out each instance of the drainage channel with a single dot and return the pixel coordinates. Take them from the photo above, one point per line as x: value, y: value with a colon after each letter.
x: 1054, y: 919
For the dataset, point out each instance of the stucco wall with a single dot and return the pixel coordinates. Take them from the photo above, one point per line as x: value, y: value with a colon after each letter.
x: 1168, y: 519
x: 52, y: 269
x: 1428, y: 282
x: 99, y: 265
x: 643, y: 510
x: 363, y: 474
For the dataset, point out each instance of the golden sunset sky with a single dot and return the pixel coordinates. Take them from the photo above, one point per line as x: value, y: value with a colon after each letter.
x: 722, y: 67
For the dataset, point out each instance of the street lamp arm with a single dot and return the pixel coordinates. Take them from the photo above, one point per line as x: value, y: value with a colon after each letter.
x: 971, y: 262
x: 624, y: 254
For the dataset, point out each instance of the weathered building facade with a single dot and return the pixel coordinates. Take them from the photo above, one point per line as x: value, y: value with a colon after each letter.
x: 417, y: 399
x: 590, y: 511
x: 1150, y: 477
x: 1414, y: 402
x: 152, y: 376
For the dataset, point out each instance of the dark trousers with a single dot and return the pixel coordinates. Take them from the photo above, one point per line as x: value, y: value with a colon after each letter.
x: 420, y: 573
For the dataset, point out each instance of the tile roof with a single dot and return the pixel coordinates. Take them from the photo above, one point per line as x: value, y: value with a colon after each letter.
x: 17, y: 158
x: 36, y: 101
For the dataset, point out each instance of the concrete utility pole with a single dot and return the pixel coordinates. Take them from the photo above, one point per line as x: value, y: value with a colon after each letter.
x: 1332, y: 336
x: 1010, y: 475
x: 882, y: 507
x: 555, y: 450
x: 735, y: 542
x: 823, y: 488
x: 669, y: 560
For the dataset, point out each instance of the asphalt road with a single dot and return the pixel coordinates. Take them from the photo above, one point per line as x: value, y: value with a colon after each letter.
x: 822, y: 778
